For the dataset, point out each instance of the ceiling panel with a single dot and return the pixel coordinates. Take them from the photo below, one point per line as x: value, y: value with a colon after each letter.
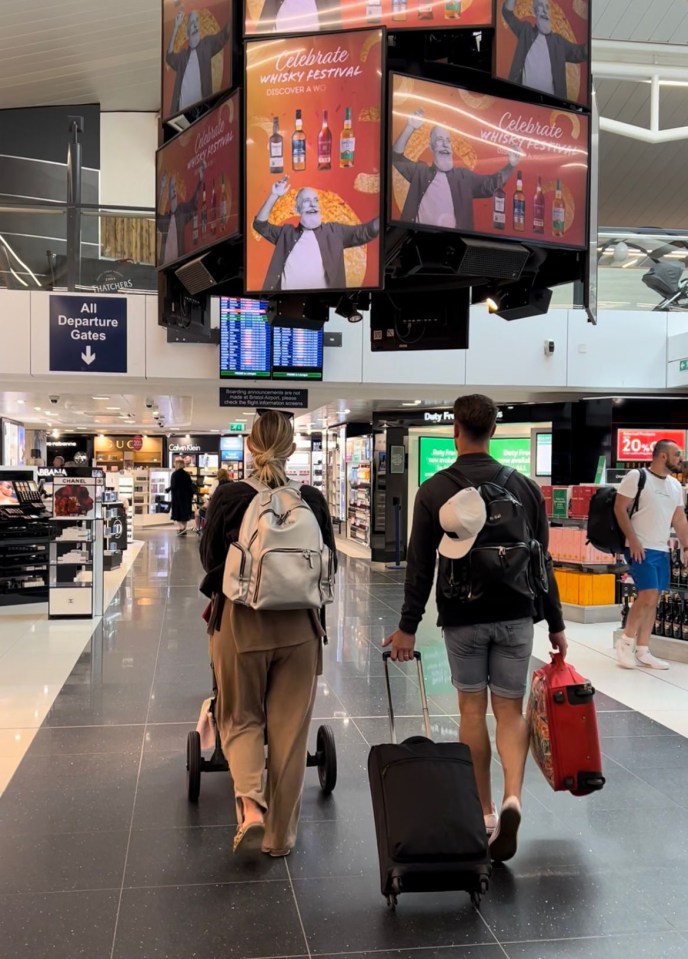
x: 653, y: 21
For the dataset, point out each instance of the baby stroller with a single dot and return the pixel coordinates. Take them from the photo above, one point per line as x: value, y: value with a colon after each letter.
x: 664, y: 278
x: 324, y: 758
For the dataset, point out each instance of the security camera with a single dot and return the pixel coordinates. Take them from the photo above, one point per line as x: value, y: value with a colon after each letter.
x: 149, y: 403
x: 54, y: 400
x: 549, y: 347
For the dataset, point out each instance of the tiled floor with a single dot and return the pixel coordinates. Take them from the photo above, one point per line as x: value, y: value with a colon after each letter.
x: 101, y: 855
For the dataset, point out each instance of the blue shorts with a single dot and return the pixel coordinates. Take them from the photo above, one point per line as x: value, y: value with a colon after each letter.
x: 653, y: 573
x: 491, y: 654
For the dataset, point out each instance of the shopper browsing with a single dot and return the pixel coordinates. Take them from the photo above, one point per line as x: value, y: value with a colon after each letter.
x: 647, y: 531
x: 486, y: 614
x: 265, y: 661
x: 182, y: 489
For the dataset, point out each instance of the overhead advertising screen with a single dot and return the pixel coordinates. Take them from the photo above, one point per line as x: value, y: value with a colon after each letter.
x: 513, y: 452
x: 543, y: 454
x: 245, y: 339
x: 435, y: 453
x: 196, y: 53
x: 313, y: 157
x: 488, y: 166
x: 634, y: 446
x: 297, y: 354
x: 309, y: 16
x: 544, y: 45
x: 198, y: 186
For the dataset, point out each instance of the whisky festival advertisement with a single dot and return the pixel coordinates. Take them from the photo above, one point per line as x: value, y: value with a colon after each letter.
x: 196, y: 53
x: 198, y: 185
x: 281, y: 17
x: 485, y: 165
x: 544, y: 45
x: 313, y: 156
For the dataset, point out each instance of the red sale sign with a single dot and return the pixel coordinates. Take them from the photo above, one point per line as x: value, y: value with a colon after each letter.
x: 637, y: 445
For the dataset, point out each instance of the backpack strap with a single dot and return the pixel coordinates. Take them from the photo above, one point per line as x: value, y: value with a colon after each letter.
x: 461, y: 480
x: 642, y: 479
x: 504, y: 474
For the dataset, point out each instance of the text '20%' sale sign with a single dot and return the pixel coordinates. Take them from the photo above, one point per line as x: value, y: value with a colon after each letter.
x: 313, y: 146
x: 480, y: 164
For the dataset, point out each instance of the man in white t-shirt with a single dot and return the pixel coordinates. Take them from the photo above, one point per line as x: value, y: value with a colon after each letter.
x: 541, y: 54
x: 647, y: 529
x: 309, y: 256
x: 442, y: 194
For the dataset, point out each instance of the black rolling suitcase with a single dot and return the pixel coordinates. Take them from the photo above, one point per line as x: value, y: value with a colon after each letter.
x: 428, y: 818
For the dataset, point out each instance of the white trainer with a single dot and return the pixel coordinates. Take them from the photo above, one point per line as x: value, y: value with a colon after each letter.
x: 644, y: 657
x: 625, y: 652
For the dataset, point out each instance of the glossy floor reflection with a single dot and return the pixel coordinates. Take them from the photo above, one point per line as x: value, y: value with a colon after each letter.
x: 101, y: 855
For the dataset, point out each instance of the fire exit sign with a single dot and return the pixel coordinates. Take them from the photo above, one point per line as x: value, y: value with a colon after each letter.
x: 236, y: 427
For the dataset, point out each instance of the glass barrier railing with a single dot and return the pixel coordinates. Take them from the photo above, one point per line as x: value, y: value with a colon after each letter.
x: 638, y: 269
x: 115, y: 250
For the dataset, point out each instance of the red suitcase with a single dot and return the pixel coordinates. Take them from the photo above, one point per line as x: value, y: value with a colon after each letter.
x: 562, y: 721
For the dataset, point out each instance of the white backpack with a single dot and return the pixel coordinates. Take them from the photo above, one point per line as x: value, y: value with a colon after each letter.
x: 279, y: 560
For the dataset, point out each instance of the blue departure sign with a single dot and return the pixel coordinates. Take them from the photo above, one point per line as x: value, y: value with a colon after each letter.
x: 88, y: 334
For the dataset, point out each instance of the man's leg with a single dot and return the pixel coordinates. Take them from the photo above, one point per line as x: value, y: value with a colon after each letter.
x: 647, y: 610
x: 473, y: 733
x: 512, y: 742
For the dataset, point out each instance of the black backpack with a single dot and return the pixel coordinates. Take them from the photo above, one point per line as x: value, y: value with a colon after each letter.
x: 505, y: 553
x: 604, y: 532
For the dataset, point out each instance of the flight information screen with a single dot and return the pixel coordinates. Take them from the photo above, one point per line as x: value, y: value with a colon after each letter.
x: 297, y: 354
x: 245, y: 339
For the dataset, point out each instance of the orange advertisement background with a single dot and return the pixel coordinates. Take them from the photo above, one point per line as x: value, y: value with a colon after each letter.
x: 349, y: 195
x: 570, y: 19
x: 351, y: 14
x: 214, y: 16
x: 467, y: 115
x: 181, y: 158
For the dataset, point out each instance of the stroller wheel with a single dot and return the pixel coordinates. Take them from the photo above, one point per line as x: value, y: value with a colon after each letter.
x: 326, y: 754
x: 193, y: 766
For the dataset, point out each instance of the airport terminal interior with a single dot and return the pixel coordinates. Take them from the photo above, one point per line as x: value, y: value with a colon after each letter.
x: 353, y: 213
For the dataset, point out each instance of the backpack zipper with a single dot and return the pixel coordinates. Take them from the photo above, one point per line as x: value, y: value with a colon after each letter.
x: 307, y: 553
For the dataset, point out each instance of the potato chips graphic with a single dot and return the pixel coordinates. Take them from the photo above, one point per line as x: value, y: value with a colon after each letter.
x: 333, y: 209
x: 367, y: 182
x: 370, y: 42
x: 369, y: 115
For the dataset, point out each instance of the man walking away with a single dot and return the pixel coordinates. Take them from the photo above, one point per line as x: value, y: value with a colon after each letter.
x: 647, y: 531
x: 489, y: 638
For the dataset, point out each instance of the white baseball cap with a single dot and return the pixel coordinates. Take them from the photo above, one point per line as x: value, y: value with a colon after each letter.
x: 462, y: 517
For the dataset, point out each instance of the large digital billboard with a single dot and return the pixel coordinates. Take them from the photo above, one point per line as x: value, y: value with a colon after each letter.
x: 484, y: 165
x: 544, y: 45
x: 196, y: 53
x: 280, y: 17
x: 198, y: 185
x: 313, y: 158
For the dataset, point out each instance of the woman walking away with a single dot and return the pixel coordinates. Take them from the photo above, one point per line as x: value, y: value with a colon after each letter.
x: 266, y: 661
x: 182, y: 488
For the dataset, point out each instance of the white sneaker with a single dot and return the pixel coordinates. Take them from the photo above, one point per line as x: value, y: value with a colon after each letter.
x: 503, y: 841
x: 644, y: 657
x: 491, y: 821
x: 625, y: 652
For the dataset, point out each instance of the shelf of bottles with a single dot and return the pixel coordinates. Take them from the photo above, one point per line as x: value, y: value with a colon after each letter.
x: 671, y: 617
x: 358, y: 455
x: 335, y: 474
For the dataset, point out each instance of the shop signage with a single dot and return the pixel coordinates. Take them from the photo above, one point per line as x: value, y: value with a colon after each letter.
x: 284, y: 399
x: 88, y: 335
x: 184, y: 448
x: 137, y: 443
x: 560, y: 502
x: 236, y: 427
x: 513, y: 452
x: 683, y: 365
x: 637, y: 445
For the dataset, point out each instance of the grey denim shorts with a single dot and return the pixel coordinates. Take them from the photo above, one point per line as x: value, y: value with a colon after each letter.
x: 491, y: 654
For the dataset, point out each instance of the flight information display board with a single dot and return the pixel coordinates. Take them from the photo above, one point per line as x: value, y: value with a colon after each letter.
x: 245, y: 339
x: 297, y: 354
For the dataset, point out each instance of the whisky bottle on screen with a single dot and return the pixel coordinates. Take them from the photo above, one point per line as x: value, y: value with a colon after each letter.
x: 519, y: 205
x: 374, y: 11
x: 276, y: 148
x: 298, y: 145
x: 399, y: 10
x: 539, y: 209
x: 452, y: 9
x: 213, y: 209
x: 558, y: 212
x: 347, y: 142
x: 425, y: 10
x: 325, y: 145
x: 223, y: 202
x: 204, y: 211
x: 499, y: 206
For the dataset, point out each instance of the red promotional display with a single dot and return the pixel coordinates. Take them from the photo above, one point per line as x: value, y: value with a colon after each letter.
x: 282, y: 17
x: 484, y: 165
x: 636, y: 445
x: 196, y: 53
x: 544, y: 45
x: 313, y: 145
x: 198, y: 185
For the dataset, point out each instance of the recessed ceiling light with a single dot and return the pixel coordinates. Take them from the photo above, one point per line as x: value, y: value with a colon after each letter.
x: 100, y: 397
x: 20, y: 402
x: 37, y: 409
x: 113, y: 408
x: 412, y: 403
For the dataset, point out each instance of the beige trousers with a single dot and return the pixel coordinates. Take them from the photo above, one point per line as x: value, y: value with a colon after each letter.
x: 270, y: 689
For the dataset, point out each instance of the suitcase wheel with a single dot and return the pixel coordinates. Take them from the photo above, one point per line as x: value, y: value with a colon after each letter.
x: 476, y: 899
x: 193, y: 766
x: 391, y: 902
x: 326, y: 756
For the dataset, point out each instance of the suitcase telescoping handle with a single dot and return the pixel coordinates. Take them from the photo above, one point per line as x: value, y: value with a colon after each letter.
x: 423, y: 698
